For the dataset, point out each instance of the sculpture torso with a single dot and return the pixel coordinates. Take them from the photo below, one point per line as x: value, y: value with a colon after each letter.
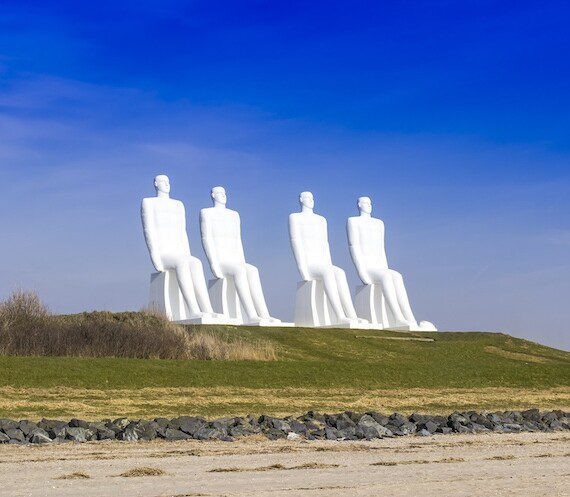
x: 311, y: 229
x: 368, y: 234
x: 168, y: 232
x: 222, y: 227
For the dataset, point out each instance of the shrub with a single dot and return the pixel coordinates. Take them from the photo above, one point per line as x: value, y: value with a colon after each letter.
x: 28, y: 328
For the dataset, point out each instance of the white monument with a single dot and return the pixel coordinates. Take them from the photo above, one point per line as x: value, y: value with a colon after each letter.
x: 236, y: 291
x: 178, y: 289
x: 382, y: 299
x: 323, y: 297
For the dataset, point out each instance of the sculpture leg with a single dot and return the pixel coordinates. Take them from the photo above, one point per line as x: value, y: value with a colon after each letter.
x: 331, y: 289
x: 344, y: 293
x: 257, y: 291
x: 402, y: 296
x: 386, y: 282
x: 187, y: 286
x: 200, y: 288
x: 242, y: 286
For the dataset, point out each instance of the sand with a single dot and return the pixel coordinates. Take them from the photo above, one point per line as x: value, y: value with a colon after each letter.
x: 536, y: 464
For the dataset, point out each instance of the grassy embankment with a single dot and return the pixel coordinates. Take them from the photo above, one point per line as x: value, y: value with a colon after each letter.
x: 322, y: 369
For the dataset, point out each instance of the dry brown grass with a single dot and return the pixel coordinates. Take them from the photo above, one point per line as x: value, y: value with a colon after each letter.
x: 143, y: 471
x: 28, y: 328
x: 275, y: 467
x: 446, y: 460
x: 508, y: 457
x: 35, y: 403
x: 78, y: 475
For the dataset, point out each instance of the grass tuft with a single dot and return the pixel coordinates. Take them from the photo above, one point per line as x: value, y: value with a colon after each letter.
x: 142, y: 471
x: 78, y: 475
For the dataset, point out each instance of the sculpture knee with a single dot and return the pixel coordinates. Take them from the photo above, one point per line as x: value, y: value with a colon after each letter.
x: 252, y: 271
x: 195, y: 263
x: 396, y: 275
x: 339, y: 273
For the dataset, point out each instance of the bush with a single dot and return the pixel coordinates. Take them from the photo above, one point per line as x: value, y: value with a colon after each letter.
x: 28, y: 328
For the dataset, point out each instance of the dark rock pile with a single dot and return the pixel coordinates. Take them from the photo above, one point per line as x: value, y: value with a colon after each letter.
x: 310, y: 426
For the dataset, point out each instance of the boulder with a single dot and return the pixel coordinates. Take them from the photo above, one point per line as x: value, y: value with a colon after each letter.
x: 172, y: 434
x: 27, y: 427
x: 4, y: 438
x: 77, y: 434
x: 207, y: 433
x: 15, y: 434
x: 191, y: 425
x: 39, y: 436
x: 78, y: 423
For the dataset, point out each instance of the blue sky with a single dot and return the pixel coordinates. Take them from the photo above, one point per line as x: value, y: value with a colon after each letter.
x: 453, y: 116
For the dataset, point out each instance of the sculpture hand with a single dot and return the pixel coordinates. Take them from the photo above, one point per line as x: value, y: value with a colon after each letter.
x: 217, y: 272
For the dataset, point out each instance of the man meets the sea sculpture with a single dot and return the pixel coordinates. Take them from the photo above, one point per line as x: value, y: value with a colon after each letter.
x: 382, y: 299
x: 323, y: 297
x: 237, y: 288
x: 178, y: 289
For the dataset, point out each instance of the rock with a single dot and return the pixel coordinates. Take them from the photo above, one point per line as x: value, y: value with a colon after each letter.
x: 531, y: 415
x: 39, y: 436
x: 27, y: 427
x: 121, y: 423
x: 77, y: 434
x: 348, y: 433
x: 274, y: 434
x: 4, y: 438
x: 368, y: 428
x: 549, y: 417
x: 398, y: 419
x: 512, y: 427
x: 298, y: 427
x: 130, y: 434
x: 105, y: 434
x: 344, y: 421
x: 280, y: 424
x: 430, y: 427
x: 293, y: 436
x: 15, y: 434
x: 8, y: 424
x: 457, y: 418
x: 477, y: 428
x: 379, y: 418
x: 444, y: 430
x: 424, y: 433
x: 162, y: 422
x: 331, y: 433
x: 556, y: 425
x: 191, y: 425
x: 172, y: 434
x: 78, y: 423
x: 207, y: 433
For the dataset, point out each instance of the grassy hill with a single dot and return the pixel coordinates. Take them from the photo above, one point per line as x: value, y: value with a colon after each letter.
x: 324, y: 369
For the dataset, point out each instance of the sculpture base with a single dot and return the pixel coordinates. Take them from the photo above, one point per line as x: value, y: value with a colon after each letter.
x: 209, y: 320
x: 270, y: 324
x: 312, y: 309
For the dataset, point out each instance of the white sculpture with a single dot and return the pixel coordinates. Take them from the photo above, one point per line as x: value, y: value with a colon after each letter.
x: 383, y: 288
x: 324, y: 286
x: 238, y: 285
x: 179, y: 288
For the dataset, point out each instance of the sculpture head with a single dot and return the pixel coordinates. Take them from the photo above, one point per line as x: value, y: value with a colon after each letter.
x: 219, y: 195
x: 306, y: 200
x: 365, y: 205
x: 162, y: 184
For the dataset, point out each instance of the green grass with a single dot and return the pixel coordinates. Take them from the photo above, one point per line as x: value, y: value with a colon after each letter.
x: 319, y: 358
x: 325, y: 362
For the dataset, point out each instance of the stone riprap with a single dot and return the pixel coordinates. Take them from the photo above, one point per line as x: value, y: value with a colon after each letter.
x: 310, y: 426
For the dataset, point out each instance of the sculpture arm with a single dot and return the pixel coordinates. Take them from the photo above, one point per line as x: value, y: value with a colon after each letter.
x: 298, y: 252
x: 150, y: 236
x: 185, y: 241
x: 210, y: 246
x: 356, y: 252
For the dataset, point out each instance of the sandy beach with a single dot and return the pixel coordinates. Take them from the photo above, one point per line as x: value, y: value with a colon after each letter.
x: 535, y: 464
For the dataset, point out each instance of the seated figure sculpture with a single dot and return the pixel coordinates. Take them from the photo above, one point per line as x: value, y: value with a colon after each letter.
x: 238, y: 284
x: 383, y: 288
x: 179, y: 288
x: 324, y: 286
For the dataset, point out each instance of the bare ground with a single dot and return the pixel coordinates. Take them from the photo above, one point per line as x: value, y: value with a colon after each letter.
x: 536, y: 464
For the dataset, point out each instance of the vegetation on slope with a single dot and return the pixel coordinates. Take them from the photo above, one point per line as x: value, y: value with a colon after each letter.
x: 328, y: 369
